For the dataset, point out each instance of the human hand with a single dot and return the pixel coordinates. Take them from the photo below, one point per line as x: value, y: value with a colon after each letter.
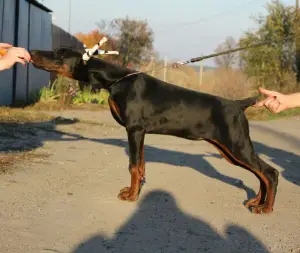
x: 275, y: 102
x: 3, y: 48
x: 12, y: 55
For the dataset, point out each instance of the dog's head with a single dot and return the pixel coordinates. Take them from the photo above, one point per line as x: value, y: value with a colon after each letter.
x: 64, y: 61
x: 70, y: 63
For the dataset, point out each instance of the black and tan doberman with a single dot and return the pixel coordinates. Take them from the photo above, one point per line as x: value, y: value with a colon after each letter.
x: 146, y: 105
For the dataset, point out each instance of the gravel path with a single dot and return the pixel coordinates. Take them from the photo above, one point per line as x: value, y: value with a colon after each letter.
x: 192, y: 201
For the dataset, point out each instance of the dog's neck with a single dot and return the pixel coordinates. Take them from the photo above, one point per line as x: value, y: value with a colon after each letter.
x: 103, y: 74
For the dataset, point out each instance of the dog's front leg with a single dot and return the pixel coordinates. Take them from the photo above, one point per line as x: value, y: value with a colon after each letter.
x: 136, y: 165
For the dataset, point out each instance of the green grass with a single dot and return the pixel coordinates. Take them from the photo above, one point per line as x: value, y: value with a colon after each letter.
x: 17, y: 115
x: 264, y: 114
x: 45, y: 94
x: 87, y: 97
x: 58, y: 95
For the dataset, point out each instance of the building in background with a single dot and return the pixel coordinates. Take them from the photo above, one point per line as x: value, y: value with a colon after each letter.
x: 24, y: 23
x: 28, y: 24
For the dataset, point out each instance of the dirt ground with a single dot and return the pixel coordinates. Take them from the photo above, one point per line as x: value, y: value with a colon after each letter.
x: 66, y: 200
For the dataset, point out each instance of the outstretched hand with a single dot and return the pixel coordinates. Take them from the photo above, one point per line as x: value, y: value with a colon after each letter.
x: 11, y: 55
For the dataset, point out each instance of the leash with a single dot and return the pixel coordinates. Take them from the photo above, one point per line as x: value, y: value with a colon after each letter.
x: 90, y: 52
x: 197, y: 59
x: 225, y: 52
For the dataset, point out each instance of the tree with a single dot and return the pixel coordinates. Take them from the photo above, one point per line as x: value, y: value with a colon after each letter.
x: 297, y: 33
x: 134, y: 39
x: 272, y: 65
x: 226, y: 61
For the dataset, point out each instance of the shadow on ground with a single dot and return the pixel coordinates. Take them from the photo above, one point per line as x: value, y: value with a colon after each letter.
x: 159, y: 225
x: 177, y: 158
x: 19, y: 137
x: 288, y: 161
x: 16, y: 137
x: 29, y: 136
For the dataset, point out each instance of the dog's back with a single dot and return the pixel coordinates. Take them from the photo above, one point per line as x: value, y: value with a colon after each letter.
x: 173, y: 110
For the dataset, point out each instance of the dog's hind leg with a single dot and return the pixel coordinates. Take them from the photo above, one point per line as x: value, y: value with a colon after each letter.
x: 240, y: 152
x: 259, y: 199
x: 261, y: 195
x: 271, y: 183
x: 136, y: 165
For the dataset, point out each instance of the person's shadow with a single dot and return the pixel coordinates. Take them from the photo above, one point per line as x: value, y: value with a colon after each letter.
x: 158, y: 225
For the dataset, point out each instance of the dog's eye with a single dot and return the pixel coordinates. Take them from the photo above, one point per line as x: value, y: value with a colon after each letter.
x: 59, y: 52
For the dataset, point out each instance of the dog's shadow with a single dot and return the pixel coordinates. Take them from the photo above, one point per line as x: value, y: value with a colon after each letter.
x: 20, y: 137
x: 158, y: 225
x: 288, y: 161
x: 25, y: 137
x: 177, y: 158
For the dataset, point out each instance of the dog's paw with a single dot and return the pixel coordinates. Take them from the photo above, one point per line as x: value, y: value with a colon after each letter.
x: 127, y: 194
x: 261, y: 209
x: 252, y: 202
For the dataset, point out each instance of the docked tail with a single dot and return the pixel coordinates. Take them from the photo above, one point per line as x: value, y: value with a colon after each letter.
x: 245, y: 103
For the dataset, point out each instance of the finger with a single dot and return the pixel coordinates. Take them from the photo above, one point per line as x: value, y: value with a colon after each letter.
x: 268, y: 101
x: 268, y: 92
x: 278, y: 109
x: 22, y: 53
x: 27, y: 56
x: 5, y: 45
x: 274, y: 105
x: 19, y: 60
x: 260, y: 103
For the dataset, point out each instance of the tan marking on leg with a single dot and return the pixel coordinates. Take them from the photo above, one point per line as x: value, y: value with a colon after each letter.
x: 268, y: 206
